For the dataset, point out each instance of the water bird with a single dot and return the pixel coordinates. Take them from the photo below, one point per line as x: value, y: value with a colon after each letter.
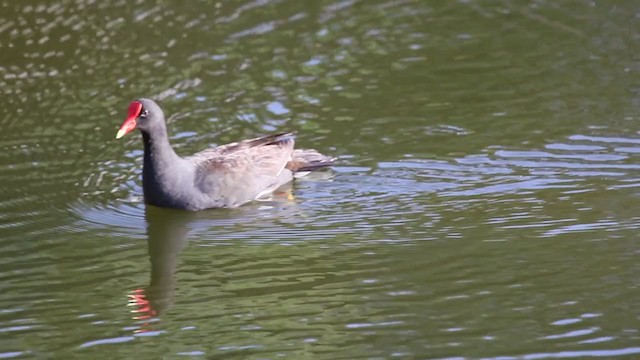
x: 225, y: 176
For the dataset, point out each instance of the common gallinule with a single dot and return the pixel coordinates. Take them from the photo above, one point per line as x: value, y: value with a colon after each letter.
x: 225, y: 176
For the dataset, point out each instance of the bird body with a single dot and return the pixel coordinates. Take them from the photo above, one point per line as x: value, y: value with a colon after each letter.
x: 221, y: 177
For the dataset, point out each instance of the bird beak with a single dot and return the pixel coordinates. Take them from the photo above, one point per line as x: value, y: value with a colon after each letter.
x: 130, y: 123
x: 126, y: 127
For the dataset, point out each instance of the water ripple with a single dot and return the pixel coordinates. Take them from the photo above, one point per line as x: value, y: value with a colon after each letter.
x: 465, y: 205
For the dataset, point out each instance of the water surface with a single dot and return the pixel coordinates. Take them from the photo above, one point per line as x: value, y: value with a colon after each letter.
x: 484, y: 204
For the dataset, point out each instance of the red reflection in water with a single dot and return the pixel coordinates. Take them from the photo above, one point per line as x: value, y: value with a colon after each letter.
x: 143, y: 309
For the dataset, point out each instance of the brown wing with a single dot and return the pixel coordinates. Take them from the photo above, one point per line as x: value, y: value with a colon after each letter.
x: 240, y: 172
x: 237, y: 147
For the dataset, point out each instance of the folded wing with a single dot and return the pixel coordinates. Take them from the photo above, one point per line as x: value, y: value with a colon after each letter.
x: 243, y: 171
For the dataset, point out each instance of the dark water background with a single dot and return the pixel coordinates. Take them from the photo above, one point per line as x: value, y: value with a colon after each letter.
x: 485, y: 203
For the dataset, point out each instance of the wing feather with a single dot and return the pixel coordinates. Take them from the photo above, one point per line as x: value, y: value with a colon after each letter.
x: 242, y: 171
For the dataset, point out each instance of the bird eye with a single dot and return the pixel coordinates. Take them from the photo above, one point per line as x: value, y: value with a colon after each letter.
x: 144, y: 113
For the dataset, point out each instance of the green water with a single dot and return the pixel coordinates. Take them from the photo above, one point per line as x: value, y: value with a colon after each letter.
x: 484, y: 204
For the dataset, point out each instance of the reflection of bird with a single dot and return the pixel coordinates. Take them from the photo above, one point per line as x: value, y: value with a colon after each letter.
x: 225, y: 176
x: 167, y: 231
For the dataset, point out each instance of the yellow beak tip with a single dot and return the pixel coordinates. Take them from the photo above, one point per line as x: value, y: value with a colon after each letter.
x: 120, y: 134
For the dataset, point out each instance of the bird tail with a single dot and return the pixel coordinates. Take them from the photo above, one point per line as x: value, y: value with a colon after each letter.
x: 308, y: 160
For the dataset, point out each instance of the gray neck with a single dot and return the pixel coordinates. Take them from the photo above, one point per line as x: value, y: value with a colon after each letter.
x: 163, y: 170
x: 158, y: 153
